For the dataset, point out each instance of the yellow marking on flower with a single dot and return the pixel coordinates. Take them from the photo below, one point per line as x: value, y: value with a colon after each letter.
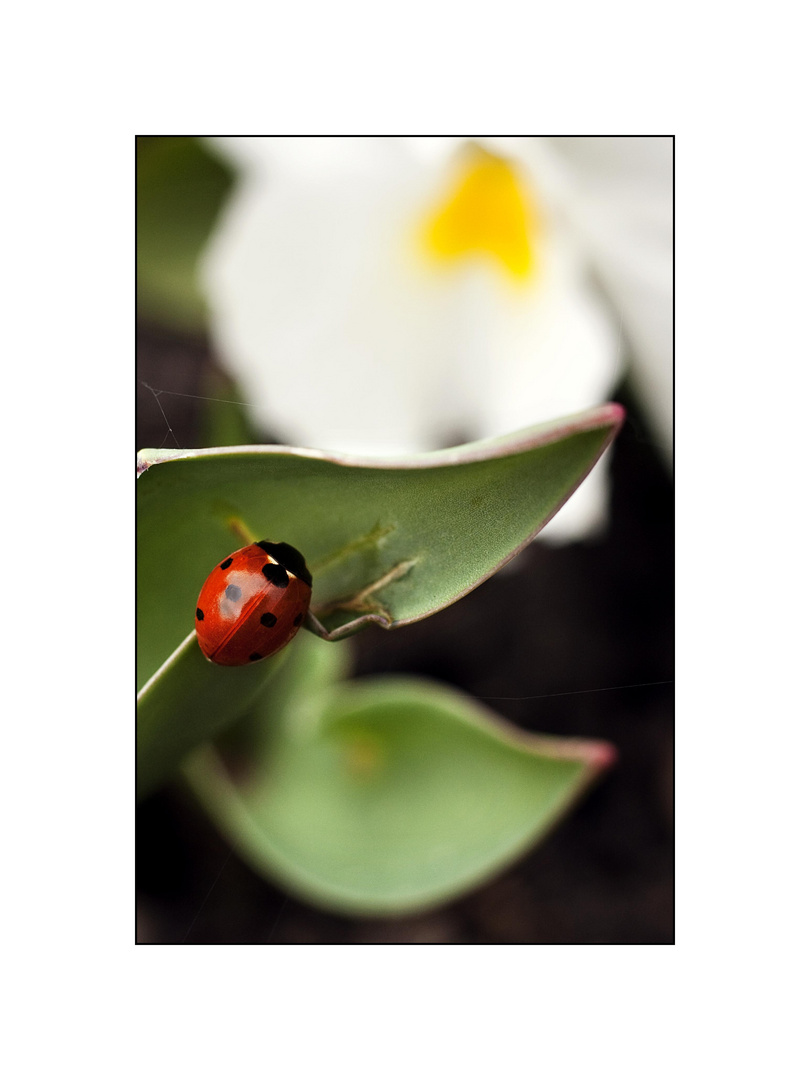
x: 487, y: 212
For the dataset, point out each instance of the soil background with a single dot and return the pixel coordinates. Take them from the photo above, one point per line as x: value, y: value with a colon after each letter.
x: 575, y: 640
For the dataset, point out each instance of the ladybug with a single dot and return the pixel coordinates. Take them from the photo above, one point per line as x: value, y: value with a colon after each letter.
x: 253, y: 603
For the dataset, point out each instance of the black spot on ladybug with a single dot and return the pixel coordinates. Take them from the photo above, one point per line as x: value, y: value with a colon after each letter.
x: 268, y: 619
x: 255, y: 656
x: 298, y: 618
x: 276, y: 575
x: 233, y: 592
x: 288, y: 557
x: 200, y: 615
x: 226, y: 564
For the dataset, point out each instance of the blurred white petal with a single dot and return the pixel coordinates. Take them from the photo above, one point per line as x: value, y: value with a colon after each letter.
x: 347, y: 333
x: 620, y: 196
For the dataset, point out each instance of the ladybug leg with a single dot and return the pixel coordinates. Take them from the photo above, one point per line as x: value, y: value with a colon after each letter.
x: 241, y: 531
x: 364, y: 602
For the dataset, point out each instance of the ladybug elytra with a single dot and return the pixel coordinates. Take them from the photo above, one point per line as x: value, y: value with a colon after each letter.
x: 253, y: 603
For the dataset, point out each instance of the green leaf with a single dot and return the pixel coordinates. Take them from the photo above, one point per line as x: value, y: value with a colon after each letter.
x: 388, y: 795
x: 387, y: 541
x: 188, y: 701
x: 225, y: 419
x: 180, y: 190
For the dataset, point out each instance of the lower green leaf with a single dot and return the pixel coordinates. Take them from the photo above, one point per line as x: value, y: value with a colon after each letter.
x: 389, y: 795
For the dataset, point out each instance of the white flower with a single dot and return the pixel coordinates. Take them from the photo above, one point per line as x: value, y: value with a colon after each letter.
x: 388, y: 295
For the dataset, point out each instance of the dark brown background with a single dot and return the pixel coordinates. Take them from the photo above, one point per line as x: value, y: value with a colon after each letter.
x: 599, y: 614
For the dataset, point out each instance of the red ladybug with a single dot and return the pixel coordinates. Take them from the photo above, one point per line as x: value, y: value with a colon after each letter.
x: 253, y: 603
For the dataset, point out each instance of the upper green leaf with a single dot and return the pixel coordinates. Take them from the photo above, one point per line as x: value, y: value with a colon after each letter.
x: 389, y: 541
x: 187, y: 701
